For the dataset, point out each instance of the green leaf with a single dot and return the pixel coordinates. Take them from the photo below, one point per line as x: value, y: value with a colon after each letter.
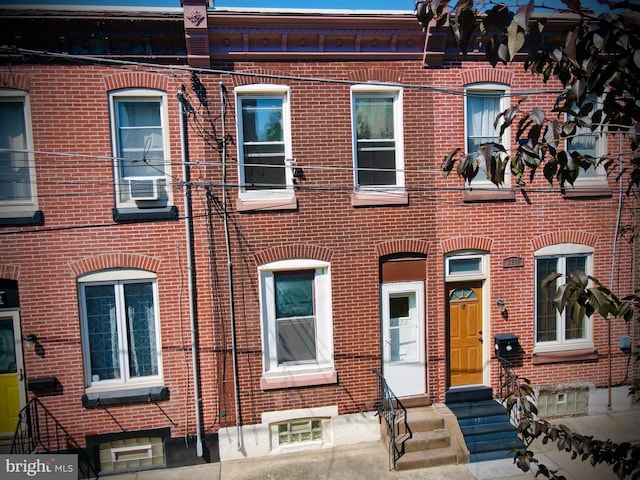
x: 601, y: 302
x: 523, y: 15
x: 449, y: 162
x: 538, y: 116
x: 574, y: 5
x: 515, y: 39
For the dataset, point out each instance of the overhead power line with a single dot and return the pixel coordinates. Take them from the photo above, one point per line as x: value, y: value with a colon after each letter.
x: 172, y: 68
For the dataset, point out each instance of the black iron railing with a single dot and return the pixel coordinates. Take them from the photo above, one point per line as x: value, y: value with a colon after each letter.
x: 38, y: 431
x: 391, y: 410
x: 509, y: 388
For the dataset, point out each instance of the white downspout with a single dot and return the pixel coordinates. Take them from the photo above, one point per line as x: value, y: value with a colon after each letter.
x: 188, y: 228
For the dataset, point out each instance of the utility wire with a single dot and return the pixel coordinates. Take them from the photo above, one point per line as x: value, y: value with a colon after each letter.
x: 156, y: 67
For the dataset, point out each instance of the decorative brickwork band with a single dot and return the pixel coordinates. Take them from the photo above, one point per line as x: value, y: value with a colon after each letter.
x: 287, y: 252
x: 466, y: 243
x: 486, y: 75
x: 376, y: 74
x: 108, y: 261
x: 18, y: 82
x: 403, y: 246
x: 566, y: 236
x: 136, y: 80
x: 9, y: 272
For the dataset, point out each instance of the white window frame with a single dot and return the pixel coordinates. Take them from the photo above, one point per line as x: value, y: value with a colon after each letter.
x: 324, y: 318
x: 597, y: 176
x: 119, y: 278
x: 562, y: 251
x: 265, y: 91
x: 164, y: 179
x: 504, y: 91
x: 32, y: 203
x: 465, y: 275
x: 398, y: 126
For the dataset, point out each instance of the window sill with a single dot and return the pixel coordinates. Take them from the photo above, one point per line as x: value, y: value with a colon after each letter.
x: 129, y: 215
x: 21, y: 219
x: 124, y: 397
x: 489, y: 195
x: 379, y: 199
x: 292, y: 381
x: 268, y: 204
x: 588, y: 354
x: 587, y: 191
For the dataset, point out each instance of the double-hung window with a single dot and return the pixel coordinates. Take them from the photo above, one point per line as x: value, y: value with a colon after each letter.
x: 141, y: 148
x: 121, y: 335
x: 378, y: 140
x: 560, y: 330
x: 297, y: 320
x: 483, y: 104
x: 591, y: 144
x: 17, y: 169
x: 264, y: 142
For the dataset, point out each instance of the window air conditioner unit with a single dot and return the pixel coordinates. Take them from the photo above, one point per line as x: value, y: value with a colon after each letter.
x: 143, y: 188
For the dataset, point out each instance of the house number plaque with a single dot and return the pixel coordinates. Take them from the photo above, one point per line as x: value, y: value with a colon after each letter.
x: 511, y: 262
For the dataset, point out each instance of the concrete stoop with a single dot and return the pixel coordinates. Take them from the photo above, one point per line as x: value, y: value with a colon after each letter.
x: 435, y: 437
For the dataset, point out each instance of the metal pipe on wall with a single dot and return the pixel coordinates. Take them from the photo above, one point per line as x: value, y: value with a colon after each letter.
x: 184, y: 111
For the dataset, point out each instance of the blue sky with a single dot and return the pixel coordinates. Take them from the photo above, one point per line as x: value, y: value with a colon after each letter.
x: 380, y: 5
x: 327, y: 4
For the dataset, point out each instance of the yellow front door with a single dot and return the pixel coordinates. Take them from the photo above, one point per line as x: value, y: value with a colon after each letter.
x: 10, y: 374
x: 465, y: 334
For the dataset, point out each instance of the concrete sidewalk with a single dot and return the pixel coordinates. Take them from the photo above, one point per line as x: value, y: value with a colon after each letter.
x: 369, y: 461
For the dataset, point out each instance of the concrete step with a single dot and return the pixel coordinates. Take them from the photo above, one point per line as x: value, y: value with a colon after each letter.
x: 488, y: 431
x: 427, y: 458
x: 505, y: 445
x: 424, y: 419
x: 416, y: 401
x: 467, y: 410
x: 468, y: 394
x: 427, y: 440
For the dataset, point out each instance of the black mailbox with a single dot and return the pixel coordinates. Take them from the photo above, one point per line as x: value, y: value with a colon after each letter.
x: 507, y: 344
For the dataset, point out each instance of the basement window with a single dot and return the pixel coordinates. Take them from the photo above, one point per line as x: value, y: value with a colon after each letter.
x: 300, y: 431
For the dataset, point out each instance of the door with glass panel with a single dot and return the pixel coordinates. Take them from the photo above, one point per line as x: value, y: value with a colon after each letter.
x: 465, y: 334
x: 403, y: 360
x: 12, y: 392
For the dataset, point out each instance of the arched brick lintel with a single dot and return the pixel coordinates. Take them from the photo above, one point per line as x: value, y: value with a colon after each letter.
x: 376, y: 74
x: 487, y: 75
x: 564, y: 236
x: 403, y: 246
x: 286, y: 252
x: 10, y: 272
x: 136, y: 80
x: 114, y: 260
x: 16, y: 81
x: 254, y: 76
x: 466, y: 243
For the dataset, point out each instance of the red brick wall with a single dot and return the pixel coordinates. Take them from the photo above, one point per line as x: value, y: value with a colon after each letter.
x: 71, y: 124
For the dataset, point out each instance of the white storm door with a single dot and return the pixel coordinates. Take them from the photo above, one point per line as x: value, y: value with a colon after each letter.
x: 403, y: 362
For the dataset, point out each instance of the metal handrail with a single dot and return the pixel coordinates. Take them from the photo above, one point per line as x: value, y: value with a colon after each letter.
x: 508, y: 386
x: 38, y: 431
x: 389, y: 408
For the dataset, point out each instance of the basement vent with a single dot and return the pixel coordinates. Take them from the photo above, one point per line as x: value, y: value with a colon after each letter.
x: 131, y: 453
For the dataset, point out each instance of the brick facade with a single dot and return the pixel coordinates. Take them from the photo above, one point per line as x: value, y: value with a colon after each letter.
x: 73, y: 157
